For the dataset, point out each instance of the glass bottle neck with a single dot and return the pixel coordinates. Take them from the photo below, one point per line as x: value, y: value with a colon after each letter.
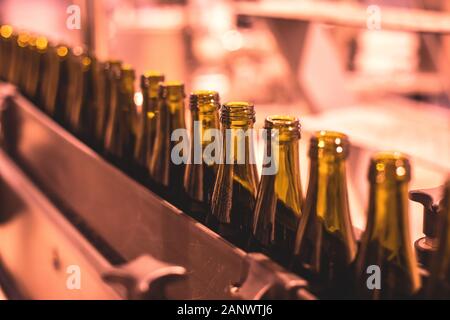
x: 287, y: 180
x: 149, y: 90
x: 126, y: 99
x: 202, y: 123
x: 238, y: 145
x: 388, y: 217
x: 171, y: 115
x: 174, y: 106
x: 327, y: 191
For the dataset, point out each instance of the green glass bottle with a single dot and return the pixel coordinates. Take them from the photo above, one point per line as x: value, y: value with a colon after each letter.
x: 34, y: 77
x: 55, y: 96
x: 18, y: 42
x: 45, y: 77
x: 24, y: 47
x: 82, y: 97
x: 119, y: 138
x: 146, y: 121
x: 234, y: 196
x: 105, y: 80
x: 325, y: 245
x: 279, y: 201
x: 6, y: 42
x: 171, y: 116
x: 386, y: 266
x: 438, y: 286
x: 200, y: 172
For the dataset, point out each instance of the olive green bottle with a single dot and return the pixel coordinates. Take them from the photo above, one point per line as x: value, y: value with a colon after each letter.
x: 386, y: 266
x: 234, y: 196
x: 200, y: 172
x: 55, y: 95
x: 28, y: 65
x: 279, y: 201
x: 439, y: 282
x: 325, y: 245
x: 34, y: 76
x: 63, y: 54
x: 24, y: 47
x: 45, y: 77
x: 80, y: 95
x: 105, y: 82
x: 18, y: 41
x: 146, y: 121
x: 171, y: 116
x: 119, y: 138
x: 6, y: 43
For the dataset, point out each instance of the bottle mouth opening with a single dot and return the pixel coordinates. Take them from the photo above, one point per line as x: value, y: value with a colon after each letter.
x: 204, y: 101
x: 389, y: 166
x: 127, y: 72
x: 389, y: 156
x: 127, y: 68
x: 41, y: 43
x: 239, y: 113
x: 150, y: 82
x: 330, y: 143
x: 288, y: 126
x: 330, y: 135
x: 153, y: 74
x: 62, y: 51
x: 278, y: 121
x: 23, y: 40
x: 171, y: 89
x: 86, y: 62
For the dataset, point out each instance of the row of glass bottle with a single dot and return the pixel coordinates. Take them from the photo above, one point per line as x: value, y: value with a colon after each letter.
x: 315, y: 238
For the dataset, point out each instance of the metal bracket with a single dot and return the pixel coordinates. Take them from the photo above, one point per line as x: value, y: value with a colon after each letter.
x: 145, y: 277
x: 264, y: 279
x: 430, y: 199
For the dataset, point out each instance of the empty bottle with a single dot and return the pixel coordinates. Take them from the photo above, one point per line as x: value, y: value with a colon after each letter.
x: 165, y: 170
x: 146, y: 125
x: 279, y: 200
x: 234, y: 196
x: 325, y: 246
x: 386, y: 266
x: 200, y: 172
x: 119, y: 138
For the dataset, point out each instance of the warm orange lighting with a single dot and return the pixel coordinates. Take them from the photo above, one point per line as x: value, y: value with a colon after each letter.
x: 41, y: 43
x: 32, y: 41
x: 23, y: 39
x: 62, y: 51
x: 86, y: 61
x: 127, y: 67
x: 6, y: 31
x: 152, y: 73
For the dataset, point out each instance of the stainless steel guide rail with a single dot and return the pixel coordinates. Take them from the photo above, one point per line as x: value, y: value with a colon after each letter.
x: 142, y: 238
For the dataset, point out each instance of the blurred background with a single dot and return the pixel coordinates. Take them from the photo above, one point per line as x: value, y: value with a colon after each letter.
x: 376, y: 70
